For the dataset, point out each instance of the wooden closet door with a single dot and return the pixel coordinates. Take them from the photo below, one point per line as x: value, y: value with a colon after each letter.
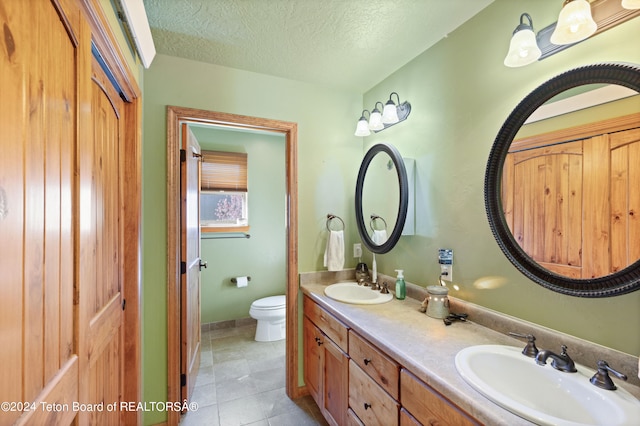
x: 38, y: 110
x: 100, y: 240
x: 573, y: 207
x: 543, y: 189
x: 625, y: 198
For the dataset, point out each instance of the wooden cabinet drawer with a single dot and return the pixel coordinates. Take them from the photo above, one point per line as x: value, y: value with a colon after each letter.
x: 428, y: 406
x: 376, y: 364
x: 326, y: 322
x: 370, y: 402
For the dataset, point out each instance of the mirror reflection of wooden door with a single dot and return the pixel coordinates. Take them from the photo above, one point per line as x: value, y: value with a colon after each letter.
x: 573, y: 206
x: 190, y: 261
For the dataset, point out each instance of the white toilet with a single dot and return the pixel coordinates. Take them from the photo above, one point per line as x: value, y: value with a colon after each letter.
x: 270, y: 313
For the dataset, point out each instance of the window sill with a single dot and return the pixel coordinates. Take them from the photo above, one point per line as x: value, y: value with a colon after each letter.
x: 224, y: 229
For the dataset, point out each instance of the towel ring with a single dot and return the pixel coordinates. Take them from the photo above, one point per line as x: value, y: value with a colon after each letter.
x: 330, y: 217
x: 372, y: 224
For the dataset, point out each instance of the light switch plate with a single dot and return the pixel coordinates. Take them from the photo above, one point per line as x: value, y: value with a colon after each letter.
x: 445, y: 259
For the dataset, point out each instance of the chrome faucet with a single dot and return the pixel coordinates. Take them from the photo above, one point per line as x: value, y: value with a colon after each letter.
x: 560, y: 362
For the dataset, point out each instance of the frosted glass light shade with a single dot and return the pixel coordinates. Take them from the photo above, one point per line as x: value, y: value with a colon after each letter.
x: 575, y: 23
x: 523, y: 49
x: 362, y: 129
x: 390, y: 113
x: 375, y: 120
x: 631, y: 4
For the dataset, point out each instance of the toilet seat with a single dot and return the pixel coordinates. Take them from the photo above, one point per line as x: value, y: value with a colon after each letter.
x: 269, y: 303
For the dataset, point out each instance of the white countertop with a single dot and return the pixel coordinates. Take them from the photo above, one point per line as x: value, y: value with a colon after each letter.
x: 425, y: 346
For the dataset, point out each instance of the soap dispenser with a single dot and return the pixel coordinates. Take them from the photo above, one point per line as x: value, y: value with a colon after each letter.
x: 401, y: 288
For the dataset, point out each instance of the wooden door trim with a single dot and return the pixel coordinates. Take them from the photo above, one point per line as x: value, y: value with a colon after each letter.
x: 175, y: 116
x: 616, y: 124
x: 131, y: 210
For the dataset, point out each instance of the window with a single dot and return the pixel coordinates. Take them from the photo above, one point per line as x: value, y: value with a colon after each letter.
x: 224, y: 192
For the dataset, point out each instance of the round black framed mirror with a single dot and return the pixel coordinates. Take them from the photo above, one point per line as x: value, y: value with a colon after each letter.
x: 366, y: 221
x: 620, y: 282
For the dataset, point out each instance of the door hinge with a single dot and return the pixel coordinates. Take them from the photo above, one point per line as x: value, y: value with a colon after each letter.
x: 124, y: 302
x: 183, y: 155
x: 183, y: 267
x: 183, y: 380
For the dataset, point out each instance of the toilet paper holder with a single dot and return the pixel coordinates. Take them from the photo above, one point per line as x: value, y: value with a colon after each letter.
x: 235, y: 281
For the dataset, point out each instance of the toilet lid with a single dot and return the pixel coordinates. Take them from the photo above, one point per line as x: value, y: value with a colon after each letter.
x: 271, y: 302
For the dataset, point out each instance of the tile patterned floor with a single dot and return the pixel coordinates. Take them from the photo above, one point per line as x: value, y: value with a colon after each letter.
x: 242, y: 382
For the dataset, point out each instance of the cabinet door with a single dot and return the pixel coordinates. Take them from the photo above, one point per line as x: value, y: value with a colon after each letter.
x: 313, y: 359
x: 335, y: 384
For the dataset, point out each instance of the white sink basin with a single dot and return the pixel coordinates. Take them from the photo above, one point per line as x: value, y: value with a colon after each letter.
x: 542, y: 394
x: 351, y: 292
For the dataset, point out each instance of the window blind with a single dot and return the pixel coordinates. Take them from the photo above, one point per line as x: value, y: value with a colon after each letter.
x: 224, y: 171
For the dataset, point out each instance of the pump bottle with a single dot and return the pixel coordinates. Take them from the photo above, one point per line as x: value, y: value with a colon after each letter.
x: 401, y: 287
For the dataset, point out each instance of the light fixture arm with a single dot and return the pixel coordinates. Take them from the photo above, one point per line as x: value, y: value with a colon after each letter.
x: 524, y: 26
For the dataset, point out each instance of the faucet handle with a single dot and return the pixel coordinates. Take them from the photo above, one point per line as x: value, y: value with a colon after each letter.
x: 602, y: 380
x: 530, y: 350
x: 385, y: 288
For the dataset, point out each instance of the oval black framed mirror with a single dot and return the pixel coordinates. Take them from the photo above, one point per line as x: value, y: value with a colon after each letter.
x: 619, y: 282
x: 373, y: 188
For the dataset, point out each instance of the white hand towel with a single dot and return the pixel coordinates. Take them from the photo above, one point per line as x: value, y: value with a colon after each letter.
x: 334, y: 253
x: 379, y: 237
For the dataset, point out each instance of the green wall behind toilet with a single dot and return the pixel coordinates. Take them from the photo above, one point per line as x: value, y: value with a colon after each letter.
x: 263, y: 257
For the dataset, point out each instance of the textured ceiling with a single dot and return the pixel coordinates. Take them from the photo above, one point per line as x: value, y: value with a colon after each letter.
x: 350, y: 44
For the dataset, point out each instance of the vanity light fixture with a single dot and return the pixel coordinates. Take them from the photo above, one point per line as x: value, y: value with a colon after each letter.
x: 392, y: 113
x: 575, y: 23
x: 375, y: 119
x: 523, y: 48
x: 578, y: 20
x: 362, y: 128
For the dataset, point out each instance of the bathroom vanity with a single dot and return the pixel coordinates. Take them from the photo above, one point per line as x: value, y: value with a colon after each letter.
x: 391, y: 364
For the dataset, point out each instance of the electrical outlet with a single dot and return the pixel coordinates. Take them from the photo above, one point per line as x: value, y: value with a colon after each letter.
x: 357, y: 250
x: 446, y: 272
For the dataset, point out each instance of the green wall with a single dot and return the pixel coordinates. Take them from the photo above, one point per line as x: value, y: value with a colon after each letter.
x: 461, y: 94
x: 263, y: 257
x: 328, y: 161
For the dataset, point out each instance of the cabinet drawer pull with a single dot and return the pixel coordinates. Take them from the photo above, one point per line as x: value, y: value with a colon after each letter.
x: 367, y: 361
x: 367, y: 405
